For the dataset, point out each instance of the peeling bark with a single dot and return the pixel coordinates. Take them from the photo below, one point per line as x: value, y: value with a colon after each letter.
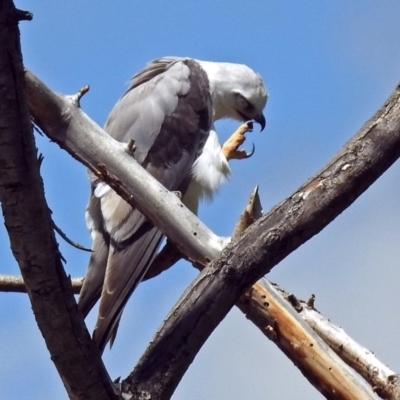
x: 316, y: 361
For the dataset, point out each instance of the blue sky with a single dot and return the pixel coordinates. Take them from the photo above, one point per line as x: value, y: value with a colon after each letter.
x: 328, y: 66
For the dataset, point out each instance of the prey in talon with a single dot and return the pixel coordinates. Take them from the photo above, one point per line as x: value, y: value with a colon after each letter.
x: 231, y: 147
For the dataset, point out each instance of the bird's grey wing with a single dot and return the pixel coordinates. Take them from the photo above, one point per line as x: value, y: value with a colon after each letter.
x: 94, y: 278
x: 138, y: 115
x: 170, y: 130
x: 154, y: 68
x: 152, y: 95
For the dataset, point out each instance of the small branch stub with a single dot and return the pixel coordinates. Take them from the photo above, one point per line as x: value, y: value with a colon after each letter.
x: 130, y: 147
x: 178, y: 194
x: 251, y: 213
x: 311, y: 301
x: 76, y: 98
x: 21, y: 15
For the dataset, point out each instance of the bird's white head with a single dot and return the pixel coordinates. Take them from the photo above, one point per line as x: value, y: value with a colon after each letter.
x: 237, y: 91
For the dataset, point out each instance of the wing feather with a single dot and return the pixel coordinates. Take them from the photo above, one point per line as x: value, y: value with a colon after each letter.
x: 120, y: 281
x: 167, y: 111
x: 141, y: 111
x: 94, y: 277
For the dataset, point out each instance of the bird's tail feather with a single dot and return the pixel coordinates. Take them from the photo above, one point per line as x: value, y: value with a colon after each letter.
x: 126, y: 268
x: 94, y: 278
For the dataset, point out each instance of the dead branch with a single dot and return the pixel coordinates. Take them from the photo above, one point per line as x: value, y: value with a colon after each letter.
x: 280, y: 232
x: 63, y: 122
x: 319, y: 364
x: 68, y: 240
x: 269, y: 307
x: 251, y: 213
x: 266, y: 307
x: 15, y: 284
x: 30, y: 229
x: 313, y: 206
x: 384, y: 380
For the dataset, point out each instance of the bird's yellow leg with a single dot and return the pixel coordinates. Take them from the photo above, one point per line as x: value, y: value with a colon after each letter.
x: 231, y: 147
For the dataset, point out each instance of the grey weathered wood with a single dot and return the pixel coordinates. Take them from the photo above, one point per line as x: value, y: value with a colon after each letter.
x: 385, y: 381
x: 30, y: 229
x: 285, y: 228
x: 288, y: 225
x: 74, y: 131
x: 324, y: 369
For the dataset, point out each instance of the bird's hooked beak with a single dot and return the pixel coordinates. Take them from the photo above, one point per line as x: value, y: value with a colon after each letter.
x: 261, y: 120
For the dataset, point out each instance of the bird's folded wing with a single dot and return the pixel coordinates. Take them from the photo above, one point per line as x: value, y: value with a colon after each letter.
x: 168, y: 114
x: 121, y: 280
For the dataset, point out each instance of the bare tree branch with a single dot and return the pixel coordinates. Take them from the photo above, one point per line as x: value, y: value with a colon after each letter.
x: 319, y: 364
x: 268, y: 307
x: 251, y: 213
x: 68, y: 240
x: 165, y: 259
x: 15, y: 284
x: 273, y: 321
x: 30, y: 229
x: 384, y: 381
x: 280, y: 232
x: 60, y: 119
x: 255, y: 306
x: 358, y: 164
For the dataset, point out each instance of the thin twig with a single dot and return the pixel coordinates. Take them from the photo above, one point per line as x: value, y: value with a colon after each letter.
x: 68, y: 240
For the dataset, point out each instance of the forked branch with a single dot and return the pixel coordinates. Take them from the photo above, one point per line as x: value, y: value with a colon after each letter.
x: 260, y: 248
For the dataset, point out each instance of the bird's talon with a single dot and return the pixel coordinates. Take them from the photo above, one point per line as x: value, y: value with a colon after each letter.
x: 231, y: 146
x: 248, y: 155
x: 250, y: 125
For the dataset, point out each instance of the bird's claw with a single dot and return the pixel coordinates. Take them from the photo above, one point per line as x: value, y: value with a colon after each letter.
x: 248, y: 155
x: 250, y: 125
x: 231, y: 146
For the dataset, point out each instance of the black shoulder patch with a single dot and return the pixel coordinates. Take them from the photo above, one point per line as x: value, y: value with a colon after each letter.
x: 183, y: 133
